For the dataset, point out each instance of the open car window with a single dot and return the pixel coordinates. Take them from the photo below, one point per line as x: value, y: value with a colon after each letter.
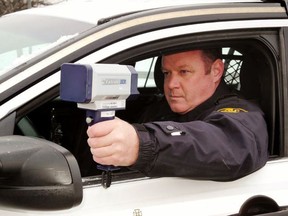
x: 63, y: 123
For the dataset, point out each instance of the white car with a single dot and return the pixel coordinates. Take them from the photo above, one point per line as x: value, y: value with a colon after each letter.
x: 42, y: 138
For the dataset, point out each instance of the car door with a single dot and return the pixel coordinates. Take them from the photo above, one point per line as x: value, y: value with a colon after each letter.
x: 139, y: 40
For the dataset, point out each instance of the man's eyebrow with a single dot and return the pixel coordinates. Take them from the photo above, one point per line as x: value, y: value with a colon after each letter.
x: 180, y: 67
x: 184, y: 66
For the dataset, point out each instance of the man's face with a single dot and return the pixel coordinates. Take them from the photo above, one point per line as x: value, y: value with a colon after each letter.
x: 187, y: 83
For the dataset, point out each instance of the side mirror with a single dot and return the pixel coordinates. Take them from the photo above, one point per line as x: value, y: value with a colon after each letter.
x: 38, y: 174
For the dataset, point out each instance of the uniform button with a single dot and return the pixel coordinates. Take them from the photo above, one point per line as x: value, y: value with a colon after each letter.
x: 169, y: 127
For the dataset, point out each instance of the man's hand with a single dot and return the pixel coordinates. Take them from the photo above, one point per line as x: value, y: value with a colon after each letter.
x: 114, y: 142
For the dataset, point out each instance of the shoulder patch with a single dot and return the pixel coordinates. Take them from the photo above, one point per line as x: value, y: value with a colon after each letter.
x: 231, y: 110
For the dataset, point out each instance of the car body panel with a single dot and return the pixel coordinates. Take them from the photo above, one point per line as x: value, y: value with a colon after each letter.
x: 172, y: 196
x: 153, y: 196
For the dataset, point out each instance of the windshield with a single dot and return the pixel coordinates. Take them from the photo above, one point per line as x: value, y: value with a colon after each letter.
x: 22, y: 36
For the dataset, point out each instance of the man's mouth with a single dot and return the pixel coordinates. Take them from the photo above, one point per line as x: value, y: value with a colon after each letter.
x: 175, y: 97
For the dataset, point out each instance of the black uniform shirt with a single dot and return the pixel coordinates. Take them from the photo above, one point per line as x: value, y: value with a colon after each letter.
x: 224, y: 138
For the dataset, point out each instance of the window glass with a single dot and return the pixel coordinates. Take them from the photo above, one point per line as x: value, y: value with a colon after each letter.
x: 145, y: 69
x: 13, y: 57
x: 233, y: 61
x: 22, y: 42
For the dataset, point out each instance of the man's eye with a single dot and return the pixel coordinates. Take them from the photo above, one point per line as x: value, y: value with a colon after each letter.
x: 184, y: 71
x: 165, y: 73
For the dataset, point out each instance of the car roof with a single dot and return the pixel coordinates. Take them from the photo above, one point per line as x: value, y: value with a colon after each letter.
x: 86, y: 10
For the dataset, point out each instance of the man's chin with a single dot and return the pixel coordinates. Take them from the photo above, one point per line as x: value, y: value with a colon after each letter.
x: 179, y: 110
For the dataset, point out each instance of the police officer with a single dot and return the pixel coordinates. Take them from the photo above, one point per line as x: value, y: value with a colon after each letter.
x: 205, y: 130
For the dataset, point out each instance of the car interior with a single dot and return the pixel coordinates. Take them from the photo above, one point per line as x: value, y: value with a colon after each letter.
x: 247, y: 69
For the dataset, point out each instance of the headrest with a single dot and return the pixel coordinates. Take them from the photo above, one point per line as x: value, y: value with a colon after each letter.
x: 158, y: 75
x: 250, y: 79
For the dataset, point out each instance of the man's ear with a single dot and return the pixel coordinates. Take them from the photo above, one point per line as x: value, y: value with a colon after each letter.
x: 217, y: 69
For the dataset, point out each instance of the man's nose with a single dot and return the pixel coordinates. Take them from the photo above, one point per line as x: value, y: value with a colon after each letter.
x: 172, y: 81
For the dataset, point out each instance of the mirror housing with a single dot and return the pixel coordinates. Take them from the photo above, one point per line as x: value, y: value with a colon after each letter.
x: 38, y: 174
